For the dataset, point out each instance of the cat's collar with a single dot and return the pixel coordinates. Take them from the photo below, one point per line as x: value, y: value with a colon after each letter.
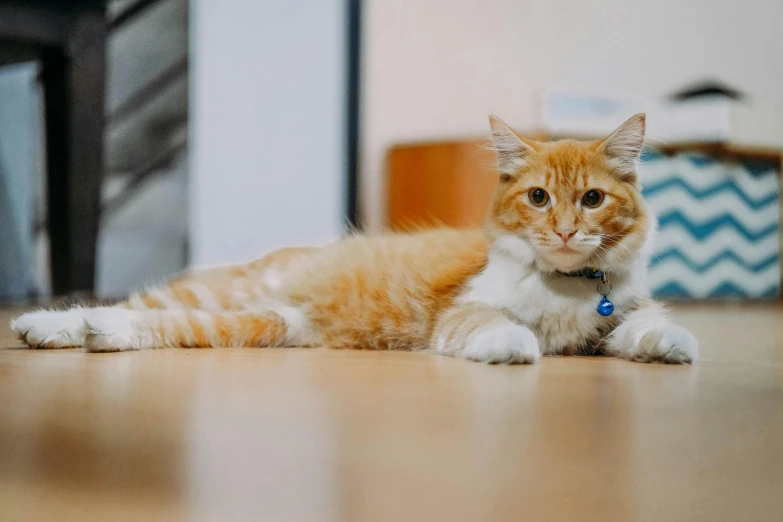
x: 587, y: 272
x: 604, y: 288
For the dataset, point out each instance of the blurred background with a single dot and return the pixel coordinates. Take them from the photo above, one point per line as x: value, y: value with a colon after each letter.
x: 139, y: 137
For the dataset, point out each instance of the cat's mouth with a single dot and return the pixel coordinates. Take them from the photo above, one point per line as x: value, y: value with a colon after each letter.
x: 565, y: 250
x: 565, y: 257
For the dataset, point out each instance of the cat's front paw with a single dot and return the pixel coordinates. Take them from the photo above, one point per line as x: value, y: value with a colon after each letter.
x: 506, y: 344
x: 670, y: 344
x: 52, y: 329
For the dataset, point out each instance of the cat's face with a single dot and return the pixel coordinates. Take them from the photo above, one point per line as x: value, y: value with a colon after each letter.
x: 576, y: 204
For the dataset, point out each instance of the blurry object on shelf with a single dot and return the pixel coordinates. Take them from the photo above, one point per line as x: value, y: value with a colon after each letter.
x: 707, y: 112
x: 719, y: 226
x: 707, y: 88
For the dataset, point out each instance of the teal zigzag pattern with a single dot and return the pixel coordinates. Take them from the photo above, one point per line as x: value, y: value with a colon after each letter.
x: 724, y: 221
x: 705, y: 229
x: 724, y: 186
x: 727, y: 289
x: 726, y: 255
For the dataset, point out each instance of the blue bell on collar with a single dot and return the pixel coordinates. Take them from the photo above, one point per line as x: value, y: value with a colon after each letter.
x: 605, y: 307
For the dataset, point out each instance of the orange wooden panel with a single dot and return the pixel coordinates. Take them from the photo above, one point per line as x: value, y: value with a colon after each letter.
x: 449, y: 183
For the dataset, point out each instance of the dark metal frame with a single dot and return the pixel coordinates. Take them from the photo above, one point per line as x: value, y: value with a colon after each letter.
x: 131, y: 12
x: 69, y: 40
x: 353, y: 120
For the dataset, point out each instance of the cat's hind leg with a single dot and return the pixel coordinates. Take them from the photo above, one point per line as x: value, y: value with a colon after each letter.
x: 53, y: 328
x: 227, y: 288
x: 68, y: 328
x: 114, y: 330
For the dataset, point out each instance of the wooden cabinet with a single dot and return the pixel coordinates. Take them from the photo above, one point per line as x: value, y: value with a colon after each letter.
x: 448, y: 183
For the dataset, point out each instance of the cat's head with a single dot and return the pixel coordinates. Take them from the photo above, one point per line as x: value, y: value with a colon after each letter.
x: 570, y: 204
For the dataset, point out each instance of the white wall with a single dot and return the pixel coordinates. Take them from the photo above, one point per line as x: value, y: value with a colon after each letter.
x: 267, y: 109
x: 436, y: 68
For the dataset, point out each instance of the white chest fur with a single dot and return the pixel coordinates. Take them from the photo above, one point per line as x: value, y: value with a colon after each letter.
x: 560, y: 310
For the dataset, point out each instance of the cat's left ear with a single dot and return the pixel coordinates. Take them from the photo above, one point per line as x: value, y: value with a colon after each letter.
x: 624, y: 146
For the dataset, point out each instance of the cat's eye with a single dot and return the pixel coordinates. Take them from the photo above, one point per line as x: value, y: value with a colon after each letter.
x: 538, y: 196
x: 592, y: 198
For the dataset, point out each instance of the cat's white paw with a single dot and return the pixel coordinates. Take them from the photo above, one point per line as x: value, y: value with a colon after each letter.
x: 52, y: 329
x: 670, y: 344
x: 506, y: 344
x: 116, y: 330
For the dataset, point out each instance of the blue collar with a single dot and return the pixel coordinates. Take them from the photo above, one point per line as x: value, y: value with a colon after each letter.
x: 586, y: 272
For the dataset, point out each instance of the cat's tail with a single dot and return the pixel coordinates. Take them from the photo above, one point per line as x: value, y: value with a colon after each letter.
x: 116, y: 329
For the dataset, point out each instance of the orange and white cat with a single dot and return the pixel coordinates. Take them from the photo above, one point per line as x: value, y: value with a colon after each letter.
x: 507, y: 294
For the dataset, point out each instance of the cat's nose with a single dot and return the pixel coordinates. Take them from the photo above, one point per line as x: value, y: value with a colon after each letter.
x: 565, y: 235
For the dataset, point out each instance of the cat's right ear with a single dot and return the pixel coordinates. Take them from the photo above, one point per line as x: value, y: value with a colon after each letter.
x: 512, y: 152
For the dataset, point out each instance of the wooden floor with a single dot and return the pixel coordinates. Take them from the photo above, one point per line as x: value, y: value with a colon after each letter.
x: 325, y: 435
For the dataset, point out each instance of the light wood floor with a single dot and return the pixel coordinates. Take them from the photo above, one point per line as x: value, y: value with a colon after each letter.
x: 325, y: 435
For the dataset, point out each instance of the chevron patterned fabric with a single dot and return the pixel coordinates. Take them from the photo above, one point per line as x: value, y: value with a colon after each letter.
x: 719, y: 226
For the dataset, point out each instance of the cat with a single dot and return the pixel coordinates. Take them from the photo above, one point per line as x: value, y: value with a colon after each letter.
x: 567, y: 225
